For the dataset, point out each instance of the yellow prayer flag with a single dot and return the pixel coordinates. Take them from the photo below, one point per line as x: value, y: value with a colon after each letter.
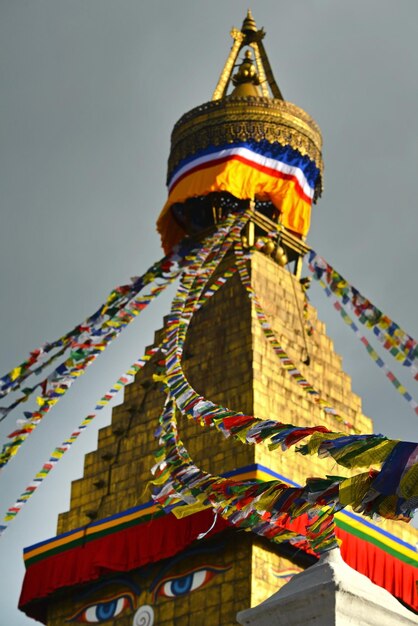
x: 189, y: 509
x: 15, y: 373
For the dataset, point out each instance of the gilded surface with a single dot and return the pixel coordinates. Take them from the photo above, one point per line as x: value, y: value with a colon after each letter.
x: 248, y: 36
x: 260, y: 70
x: 269, y: 72
x: 225, y: 76
x: 241, y: 119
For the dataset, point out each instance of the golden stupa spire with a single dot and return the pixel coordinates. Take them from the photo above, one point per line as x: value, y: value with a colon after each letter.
x: 216, y: 148
x: 249, y: 36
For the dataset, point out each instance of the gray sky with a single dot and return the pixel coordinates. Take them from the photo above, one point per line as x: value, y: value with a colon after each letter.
x: 90, y: 90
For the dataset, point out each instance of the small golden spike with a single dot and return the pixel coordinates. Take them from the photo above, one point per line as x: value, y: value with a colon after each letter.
x: 248, y: 25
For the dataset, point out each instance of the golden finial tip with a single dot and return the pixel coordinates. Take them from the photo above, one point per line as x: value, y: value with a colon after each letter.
x: 248, y: 25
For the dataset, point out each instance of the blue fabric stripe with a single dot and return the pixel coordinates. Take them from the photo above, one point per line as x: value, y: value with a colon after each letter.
x: 275, y: 150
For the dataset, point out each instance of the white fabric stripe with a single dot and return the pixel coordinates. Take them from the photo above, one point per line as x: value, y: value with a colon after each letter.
x: 248, y: 154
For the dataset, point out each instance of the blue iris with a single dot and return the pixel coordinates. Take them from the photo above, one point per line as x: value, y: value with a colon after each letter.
x: 182, y: 585
x: 106, y: 610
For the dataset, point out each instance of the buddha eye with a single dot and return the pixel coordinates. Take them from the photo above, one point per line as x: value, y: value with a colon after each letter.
x: 103, y: 611
x: 173, y: 587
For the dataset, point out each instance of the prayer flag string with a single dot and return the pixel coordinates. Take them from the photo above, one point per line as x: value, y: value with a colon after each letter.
x: 271, y: 509
x: 402, y: 347
x: 284, y: 358
x: 401, y: 389
x: 124, y: 380
x: 396, y: 502
x: 93, y: 325
x: 60, y: 450
x: 85, y: 351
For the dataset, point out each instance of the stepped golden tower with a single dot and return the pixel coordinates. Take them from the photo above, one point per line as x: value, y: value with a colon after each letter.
x: 117, y: 557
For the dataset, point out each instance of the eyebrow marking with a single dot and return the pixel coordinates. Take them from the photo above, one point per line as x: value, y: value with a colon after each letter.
x: 107, y: 583
x: 183, y: 556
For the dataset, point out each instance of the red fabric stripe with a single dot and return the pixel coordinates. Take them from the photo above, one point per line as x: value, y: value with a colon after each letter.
x: 384, y: 570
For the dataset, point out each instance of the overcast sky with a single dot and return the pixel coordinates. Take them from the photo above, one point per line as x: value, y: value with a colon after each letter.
x: 90, y: 90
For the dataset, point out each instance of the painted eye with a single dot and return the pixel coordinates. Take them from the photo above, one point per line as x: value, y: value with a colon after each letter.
x: 183, y: 584
x: 286, y: 574
x: 103, y: 611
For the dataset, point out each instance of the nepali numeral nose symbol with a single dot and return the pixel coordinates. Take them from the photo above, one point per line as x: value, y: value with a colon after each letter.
x: 144, y: 616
